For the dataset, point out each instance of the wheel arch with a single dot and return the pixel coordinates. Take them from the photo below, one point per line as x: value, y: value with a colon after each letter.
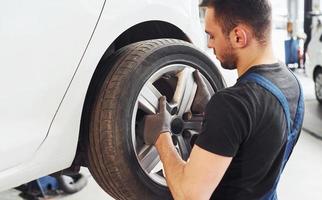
x: 139, y: 32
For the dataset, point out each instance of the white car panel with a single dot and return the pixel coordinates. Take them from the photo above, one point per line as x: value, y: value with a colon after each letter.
x: 58, y: 149
x: 42, y: 43
x: 314, y: 50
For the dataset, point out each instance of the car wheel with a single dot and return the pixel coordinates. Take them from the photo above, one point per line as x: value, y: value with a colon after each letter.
x: 121, y: 163
x: 318, y: 85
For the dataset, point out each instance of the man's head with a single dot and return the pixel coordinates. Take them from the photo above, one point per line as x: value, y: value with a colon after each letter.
x: 233, y: 25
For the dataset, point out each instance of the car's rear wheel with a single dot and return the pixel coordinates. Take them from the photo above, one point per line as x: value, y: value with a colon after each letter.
x: 119, y: 160
x: 318, y: 84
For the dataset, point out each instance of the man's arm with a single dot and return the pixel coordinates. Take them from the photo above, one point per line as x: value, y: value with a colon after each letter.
x: 199, y: 176
x: 195, y: 179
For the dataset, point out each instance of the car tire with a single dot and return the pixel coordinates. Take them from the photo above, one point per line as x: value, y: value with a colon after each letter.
x: 118, y: 159
x: 318, y: 84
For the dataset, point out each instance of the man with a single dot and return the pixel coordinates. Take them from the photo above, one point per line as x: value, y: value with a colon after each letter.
x: 240, y: 152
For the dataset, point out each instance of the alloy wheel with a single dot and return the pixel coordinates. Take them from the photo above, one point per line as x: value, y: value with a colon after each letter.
x: 176, y: 82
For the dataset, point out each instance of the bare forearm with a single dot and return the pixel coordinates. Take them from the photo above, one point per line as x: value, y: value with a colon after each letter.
x: 195, y: 179
x: 173, y: 165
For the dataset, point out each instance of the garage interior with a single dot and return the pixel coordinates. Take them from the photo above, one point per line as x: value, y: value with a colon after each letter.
x: 302, y: 177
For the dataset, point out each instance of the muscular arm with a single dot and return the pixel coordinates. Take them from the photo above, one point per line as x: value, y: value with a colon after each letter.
x: 195, y: 179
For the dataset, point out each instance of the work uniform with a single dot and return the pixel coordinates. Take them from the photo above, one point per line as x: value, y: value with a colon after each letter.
x: 249, y: 123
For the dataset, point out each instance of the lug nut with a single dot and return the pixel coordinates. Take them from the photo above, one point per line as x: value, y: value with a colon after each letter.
x: 172, y: 110
x: 187, y: 116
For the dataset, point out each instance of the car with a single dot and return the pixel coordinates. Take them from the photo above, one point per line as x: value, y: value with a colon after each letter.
x: 78, y: 78
x: 314, y: 57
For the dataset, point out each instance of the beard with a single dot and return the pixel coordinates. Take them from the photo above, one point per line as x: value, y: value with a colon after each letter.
x: 228, y: 58
x: 229, y: 61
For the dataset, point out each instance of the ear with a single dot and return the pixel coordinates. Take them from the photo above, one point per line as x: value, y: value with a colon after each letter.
x: 239, y: 37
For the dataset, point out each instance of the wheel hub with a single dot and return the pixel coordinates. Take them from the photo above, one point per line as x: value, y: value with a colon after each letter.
x: 177, y: 126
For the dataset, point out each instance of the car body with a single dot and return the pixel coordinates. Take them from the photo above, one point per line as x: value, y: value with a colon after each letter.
x: 49, y: 53
x: 314, y: 56
x: 314, y: 51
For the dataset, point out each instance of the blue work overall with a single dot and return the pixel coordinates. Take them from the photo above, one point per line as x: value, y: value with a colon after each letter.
x: 292, y: 132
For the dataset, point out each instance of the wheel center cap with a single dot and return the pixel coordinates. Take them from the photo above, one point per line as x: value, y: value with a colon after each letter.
x: 177, y: 126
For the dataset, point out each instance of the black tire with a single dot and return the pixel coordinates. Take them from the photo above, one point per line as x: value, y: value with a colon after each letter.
x: 111, y: 156
x: 318, y: 73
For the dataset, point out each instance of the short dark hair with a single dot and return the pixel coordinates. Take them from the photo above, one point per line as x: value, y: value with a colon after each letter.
x: 257, y: 14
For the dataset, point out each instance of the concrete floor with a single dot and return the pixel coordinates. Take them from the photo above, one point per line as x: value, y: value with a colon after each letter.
x: 302, y: 178
x: 312, y: 123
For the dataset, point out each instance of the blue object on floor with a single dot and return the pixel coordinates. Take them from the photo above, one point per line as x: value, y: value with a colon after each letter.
x: 46, y: 184
x: 291, y: 51
x: 42, y: 187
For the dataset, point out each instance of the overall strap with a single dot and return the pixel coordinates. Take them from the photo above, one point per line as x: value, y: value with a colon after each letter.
x: 300, y: 108
x: 298, y: 120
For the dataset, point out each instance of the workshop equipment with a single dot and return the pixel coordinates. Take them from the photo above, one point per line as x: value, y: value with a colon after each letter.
x: 50, y: 186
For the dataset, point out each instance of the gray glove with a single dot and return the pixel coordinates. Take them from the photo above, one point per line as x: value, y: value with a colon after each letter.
x: 202, y: 95
x: 156, y: 124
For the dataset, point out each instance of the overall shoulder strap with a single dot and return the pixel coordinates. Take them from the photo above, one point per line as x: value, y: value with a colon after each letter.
x: 272, y: 88
x: 300, y: 108
x: 298, y: 120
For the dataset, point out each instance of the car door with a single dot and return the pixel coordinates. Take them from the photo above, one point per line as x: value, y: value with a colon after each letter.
x: 41, y: 45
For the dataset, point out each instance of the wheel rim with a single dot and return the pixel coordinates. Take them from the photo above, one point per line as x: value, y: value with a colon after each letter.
x: 180, y: 93
x: 318, y: 86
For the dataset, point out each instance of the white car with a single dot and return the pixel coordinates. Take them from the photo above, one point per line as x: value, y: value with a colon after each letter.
x: 77, y: 78
x: 314, y: 57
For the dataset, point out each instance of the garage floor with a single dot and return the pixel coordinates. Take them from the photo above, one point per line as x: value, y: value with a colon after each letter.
x: 312, y: 123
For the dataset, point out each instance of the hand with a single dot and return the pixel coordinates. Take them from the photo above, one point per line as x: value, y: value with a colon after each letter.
x: 156, y: 124
x: 202, y: 95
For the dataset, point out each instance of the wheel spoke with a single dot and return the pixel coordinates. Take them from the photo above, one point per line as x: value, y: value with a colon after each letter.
x: 184, y: 147
x: 185, y: 90
x: 149, y: 99
x: 192, y: 125
x: 149, y: 158
x: 193, y: 122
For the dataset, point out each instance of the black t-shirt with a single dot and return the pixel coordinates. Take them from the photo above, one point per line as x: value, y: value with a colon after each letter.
x: 247, y: 122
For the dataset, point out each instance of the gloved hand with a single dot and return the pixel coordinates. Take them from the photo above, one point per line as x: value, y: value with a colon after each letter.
x: 202, y: 95
x: 156, y: 124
